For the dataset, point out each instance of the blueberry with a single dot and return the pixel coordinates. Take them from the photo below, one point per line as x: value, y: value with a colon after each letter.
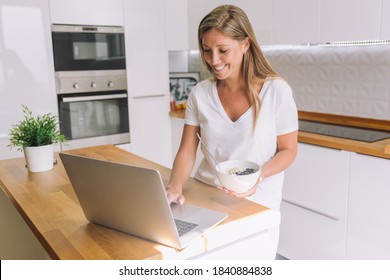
x: 247, y: 171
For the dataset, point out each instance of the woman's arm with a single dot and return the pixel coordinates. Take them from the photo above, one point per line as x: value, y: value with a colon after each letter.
x: 183, y: 164
x: 287, y: 148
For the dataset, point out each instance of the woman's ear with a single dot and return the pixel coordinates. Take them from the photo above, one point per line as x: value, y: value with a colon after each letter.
x: 245, y: 45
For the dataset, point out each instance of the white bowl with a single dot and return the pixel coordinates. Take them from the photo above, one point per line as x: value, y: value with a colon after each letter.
x: 234, y: 182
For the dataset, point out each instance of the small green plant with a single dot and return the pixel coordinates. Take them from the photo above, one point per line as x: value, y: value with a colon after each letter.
x: 35, y: 131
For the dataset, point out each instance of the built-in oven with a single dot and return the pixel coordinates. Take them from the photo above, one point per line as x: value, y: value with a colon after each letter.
x: 88, y: 48
x: 93, y: 109
x: 91, y: 84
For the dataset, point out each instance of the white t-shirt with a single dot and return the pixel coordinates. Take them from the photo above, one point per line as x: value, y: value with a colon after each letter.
x: 228, y: 140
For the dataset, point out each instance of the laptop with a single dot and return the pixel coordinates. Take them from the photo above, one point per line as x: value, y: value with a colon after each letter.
x: 133, y: 200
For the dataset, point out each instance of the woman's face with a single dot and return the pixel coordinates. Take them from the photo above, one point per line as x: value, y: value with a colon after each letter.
x: 223, y: 54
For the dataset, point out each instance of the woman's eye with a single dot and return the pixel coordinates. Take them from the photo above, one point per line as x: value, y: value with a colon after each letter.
x: 223, y: 51
x: 206, y: 51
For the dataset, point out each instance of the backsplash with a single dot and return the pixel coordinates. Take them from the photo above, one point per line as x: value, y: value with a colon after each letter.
x: 341, y: 80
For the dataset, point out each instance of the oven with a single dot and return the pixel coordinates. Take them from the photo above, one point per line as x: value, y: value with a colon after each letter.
x: 93, y: 109
x: 86, y: 48
x: 91, y: 84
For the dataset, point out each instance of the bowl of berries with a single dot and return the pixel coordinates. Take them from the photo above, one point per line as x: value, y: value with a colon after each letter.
x: 238, y: 175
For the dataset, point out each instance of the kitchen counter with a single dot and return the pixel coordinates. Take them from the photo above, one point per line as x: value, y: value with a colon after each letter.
x: 48, y: 205
x: 379, y: 148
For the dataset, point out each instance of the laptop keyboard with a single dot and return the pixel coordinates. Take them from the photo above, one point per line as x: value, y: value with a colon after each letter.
x: 183, y: 227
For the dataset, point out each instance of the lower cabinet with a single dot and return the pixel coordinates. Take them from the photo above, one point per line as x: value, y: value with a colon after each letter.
x: 307, y: 235
x: 335, y: 206
x: 314, y: 208
x: 369, y: 208
x: 17, y: 241
x: 150, y: 128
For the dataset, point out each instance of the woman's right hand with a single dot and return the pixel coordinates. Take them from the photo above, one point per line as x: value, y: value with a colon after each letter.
x: 175, y: 196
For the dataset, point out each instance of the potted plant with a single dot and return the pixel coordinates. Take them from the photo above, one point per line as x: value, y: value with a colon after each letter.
x: 34, y: 135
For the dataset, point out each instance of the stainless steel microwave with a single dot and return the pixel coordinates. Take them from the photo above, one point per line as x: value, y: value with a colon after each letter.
x: 80, y: 48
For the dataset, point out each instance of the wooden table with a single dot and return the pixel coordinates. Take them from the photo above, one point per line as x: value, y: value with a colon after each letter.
x: 50, y: 209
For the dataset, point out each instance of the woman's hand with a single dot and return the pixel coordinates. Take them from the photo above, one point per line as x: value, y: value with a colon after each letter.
x: 250, y: 192
x: 175, y: 196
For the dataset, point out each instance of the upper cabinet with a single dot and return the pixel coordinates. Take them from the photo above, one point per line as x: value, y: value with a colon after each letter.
x: 87, y: 12
x: 177, y: 25
x: 385, y: 25
x: 258, y: 12
x: 350, y: 20
x: 295, y: 22
x: 300, y: 21
x: 146, y: 48
x: 318, y: 21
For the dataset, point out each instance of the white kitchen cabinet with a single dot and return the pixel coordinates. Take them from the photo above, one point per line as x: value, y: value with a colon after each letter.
x: 318, y: 180
x: 258, y: 12
x: 314, y: 211
x: 87, y: 12
x: 150, y: 129
x: 307, y: 235
x: 295, y: 22
x: 146, y: 48
x: 369, y: 208
x: 177, y: 25
x: 148, y: 79
x: 349, y: 20
x: 17, y: 241
x: 26, y: 65
x: 385, y: 24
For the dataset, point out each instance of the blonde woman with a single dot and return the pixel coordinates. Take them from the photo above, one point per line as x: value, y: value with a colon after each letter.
x: 244, y: 111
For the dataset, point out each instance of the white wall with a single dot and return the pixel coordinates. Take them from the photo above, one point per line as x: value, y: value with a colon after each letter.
x: 26, y: 65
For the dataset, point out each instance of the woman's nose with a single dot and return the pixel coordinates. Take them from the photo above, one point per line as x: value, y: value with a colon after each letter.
x: 215, y: 58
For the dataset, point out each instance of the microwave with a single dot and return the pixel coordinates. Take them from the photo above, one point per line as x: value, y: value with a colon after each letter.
x: 88, y: 48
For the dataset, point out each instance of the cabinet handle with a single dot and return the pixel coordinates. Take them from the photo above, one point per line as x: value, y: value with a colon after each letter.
x: 148, y: 96
x: 311, y: 210
x: 94, y: 97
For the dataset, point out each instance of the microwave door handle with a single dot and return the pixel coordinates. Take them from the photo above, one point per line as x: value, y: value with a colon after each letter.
x: 94, y: 97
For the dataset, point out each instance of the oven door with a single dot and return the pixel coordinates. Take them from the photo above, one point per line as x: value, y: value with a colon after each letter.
x: 78, y: 48
x: 94, y: 115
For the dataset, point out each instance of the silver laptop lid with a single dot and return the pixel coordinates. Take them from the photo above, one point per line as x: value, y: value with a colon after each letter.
x: 127, y: 198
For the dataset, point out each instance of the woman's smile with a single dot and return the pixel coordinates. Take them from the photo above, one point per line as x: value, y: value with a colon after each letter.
x: 222, y: 53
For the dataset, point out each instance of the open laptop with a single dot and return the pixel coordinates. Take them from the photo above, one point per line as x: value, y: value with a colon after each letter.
x: 132, y: 199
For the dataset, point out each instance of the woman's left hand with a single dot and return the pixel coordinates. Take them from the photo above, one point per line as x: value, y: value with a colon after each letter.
x: 250, y: 192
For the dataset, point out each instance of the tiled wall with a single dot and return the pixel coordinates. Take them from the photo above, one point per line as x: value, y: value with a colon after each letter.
x: 342, y: 80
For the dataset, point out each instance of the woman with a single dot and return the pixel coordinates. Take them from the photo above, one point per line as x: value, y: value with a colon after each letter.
x: 245, y: 111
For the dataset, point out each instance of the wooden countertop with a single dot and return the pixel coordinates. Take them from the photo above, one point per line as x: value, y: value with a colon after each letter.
x: 378, y: 148
x: 49, y: 206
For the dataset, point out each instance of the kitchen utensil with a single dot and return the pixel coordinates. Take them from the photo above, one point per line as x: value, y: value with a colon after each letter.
x: 208, y: 151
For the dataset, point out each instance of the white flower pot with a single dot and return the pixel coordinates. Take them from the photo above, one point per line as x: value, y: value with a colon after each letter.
x: 39, y: 159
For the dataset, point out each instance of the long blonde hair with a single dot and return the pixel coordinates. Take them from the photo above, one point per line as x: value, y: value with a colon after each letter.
x: 233, y: 22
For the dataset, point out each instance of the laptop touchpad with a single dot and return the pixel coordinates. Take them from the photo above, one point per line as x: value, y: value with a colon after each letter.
x: 183, y: 211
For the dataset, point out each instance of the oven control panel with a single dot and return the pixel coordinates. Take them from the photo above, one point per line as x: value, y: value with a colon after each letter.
x: 90, y: 81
